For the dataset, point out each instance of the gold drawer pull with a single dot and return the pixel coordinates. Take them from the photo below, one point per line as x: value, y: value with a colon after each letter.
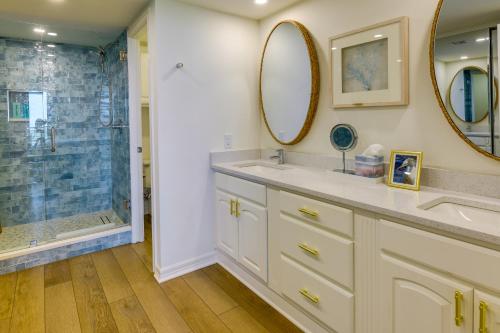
x: 306, y: 294
x: 308, y: 249
x: 232, y: 209
x: 308, y: 212
x: 459, y: 317
x: 483, y: 309
x: 237, y: 210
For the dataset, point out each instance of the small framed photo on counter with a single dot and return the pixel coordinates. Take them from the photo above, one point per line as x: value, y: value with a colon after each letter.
x: 405, y: 169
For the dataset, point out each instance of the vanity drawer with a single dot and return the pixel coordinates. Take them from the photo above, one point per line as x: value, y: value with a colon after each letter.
x: 242, y: 188
x: 324, y: 252
x: 318, y: 213
x: 330, y: 304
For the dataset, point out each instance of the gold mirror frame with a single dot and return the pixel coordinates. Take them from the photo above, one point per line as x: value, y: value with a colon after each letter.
x: 432, y: 45
x: 448, y: 95
x: 315, y: 82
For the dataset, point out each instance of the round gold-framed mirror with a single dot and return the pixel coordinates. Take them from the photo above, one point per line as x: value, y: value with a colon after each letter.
x: 465, y: 37
x: 289, y: 82
x: 477, y: 78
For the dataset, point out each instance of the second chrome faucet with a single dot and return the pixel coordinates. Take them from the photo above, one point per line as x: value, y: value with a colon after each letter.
x: 280, y: 156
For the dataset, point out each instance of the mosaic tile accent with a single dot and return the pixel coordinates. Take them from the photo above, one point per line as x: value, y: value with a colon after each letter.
x: 65, y: 252
x: 19, y: 237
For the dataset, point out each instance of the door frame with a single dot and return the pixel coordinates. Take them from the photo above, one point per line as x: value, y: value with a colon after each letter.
x: 146, y: 19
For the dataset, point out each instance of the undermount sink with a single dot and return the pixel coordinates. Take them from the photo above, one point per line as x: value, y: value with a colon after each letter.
x: 464, y: 209
x: 259, y: 166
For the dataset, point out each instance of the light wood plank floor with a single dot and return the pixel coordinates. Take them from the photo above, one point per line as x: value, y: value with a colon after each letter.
x: 114, y: 291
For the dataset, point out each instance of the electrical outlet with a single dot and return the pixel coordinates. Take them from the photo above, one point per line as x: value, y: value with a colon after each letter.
x: 228, y: 141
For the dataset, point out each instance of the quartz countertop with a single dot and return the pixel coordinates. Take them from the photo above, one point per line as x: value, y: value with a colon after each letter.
x: 376, y: 198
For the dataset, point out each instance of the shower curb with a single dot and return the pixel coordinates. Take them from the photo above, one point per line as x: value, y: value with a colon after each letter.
x: 44, y: 257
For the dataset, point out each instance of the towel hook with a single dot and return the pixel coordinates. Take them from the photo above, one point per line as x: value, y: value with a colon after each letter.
x: 179, y: 65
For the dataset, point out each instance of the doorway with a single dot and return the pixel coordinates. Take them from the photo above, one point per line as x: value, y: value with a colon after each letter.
x: 143, y: 212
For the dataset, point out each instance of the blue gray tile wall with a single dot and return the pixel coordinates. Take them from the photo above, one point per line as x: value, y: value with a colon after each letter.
x: 38, y: 184
x: 120, y: 136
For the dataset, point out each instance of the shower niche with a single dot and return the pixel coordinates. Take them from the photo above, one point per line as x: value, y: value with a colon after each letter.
x: 64, y: 134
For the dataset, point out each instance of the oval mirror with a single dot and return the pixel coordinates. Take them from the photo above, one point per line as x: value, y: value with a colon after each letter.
x: 464, y: 68
x: 470, y: 107
x: 289, y: 82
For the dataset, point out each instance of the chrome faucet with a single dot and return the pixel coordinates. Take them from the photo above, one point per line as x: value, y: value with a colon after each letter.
x: 280, y: 156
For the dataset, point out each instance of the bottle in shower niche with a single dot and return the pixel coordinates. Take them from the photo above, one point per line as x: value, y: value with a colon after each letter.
x: 16, y: 110
x: 26, y: 111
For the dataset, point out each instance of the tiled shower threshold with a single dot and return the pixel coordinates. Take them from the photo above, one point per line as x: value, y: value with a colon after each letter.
x: 40, y: 236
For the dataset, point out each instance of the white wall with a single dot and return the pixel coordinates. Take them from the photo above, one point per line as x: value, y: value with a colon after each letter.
x: 420, y: 126
x: 215, y: 93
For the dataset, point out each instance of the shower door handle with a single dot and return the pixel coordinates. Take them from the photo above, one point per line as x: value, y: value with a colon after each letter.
x: 53, y: 139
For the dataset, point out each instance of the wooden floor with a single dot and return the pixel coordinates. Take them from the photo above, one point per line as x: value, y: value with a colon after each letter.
x: 114, y: 291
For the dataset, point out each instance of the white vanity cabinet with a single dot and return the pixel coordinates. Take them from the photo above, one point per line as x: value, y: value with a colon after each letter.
x: 415, y: 300
x: 333, y: 268
x: 317, y: 259
x: 430, y: 283
x: 242, y: 222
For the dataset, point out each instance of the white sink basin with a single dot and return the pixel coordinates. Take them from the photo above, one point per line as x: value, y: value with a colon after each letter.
x: 465, y: 210
x: 259, y: 166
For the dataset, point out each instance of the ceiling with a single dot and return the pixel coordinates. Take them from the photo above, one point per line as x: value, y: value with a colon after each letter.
x: 452, y: 48
x: 84, y: 22
x: 245, y: 8
x: 465, y: 15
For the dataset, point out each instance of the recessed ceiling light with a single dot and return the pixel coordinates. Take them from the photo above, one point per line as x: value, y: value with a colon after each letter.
x: 51, y: 45
x: 39, y: 30
x: 51, y: 55
x: 52, y: 33
x: 334, y: 48
x: 482, y: 39
x: 378, y: 36
x: 260, y: 2
x: 464, y: 57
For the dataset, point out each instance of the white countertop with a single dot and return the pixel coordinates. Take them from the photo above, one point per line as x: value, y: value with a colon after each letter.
x: 377, y: 198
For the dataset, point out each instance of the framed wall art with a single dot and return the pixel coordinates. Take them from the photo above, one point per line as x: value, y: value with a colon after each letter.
x: 369, y: 66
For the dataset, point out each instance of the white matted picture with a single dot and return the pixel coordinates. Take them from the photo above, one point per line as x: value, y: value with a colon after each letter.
x: 369, y: 66
x: 405, y: 170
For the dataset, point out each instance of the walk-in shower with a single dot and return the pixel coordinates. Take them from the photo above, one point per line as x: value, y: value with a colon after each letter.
x: 64, y: 140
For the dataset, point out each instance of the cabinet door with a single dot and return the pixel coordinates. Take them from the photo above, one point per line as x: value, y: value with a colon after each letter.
x: 414, y: 300
x: 253, y: 237
x: 227, y: 225
x: 490, y: 318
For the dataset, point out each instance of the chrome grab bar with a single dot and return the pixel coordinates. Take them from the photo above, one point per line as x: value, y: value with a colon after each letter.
x: 53, y: 139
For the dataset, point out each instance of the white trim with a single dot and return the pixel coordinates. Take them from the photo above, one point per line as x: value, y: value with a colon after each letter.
x: 153, y: 116
x: 61, y: 243
x: 136, y: 195
x: 185, y: 267
x: 146, y: 18
x: 289, y: 311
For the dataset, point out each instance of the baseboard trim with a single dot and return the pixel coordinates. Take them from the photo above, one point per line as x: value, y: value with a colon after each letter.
x: 185, y: 267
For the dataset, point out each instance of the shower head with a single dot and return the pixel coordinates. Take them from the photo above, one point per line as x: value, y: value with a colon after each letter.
x: 102, y: 57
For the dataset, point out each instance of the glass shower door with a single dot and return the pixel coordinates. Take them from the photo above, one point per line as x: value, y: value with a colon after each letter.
x: 22, y: 132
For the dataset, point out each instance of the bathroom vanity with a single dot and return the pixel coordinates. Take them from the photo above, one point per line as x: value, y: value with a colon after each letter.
x: 337, y: 254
